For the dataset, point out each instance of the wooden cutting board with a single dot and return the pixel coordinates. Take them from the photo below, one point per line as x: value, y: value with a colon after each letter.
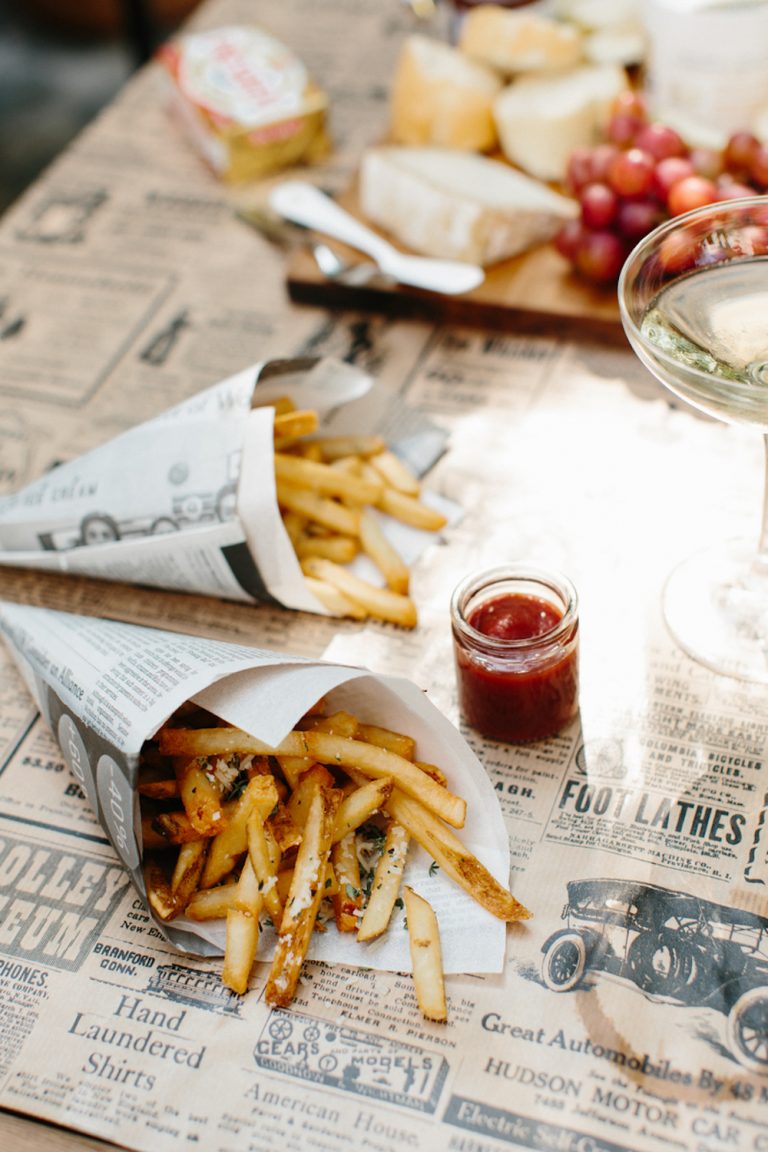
x: 535, y: 292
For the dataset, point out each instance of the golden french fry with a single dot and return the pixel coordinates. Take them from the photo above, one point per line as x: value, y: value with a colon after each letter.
x: 325, y: 748
x: 360, y: 804
x: 301, y: 798
x: 157, y: 786
x: 380, y: 602
x: 292, y: 425
x: 454, y: 858
x: 426, y: 956
x: 339, y: 723
x: 153, y: 840
x: 283, y: 829
x: 395, y: 472
x: 304, y: 897
x: 396, y: 742
x: 177, y: 828
x: 432, y: 770
x: 327, y: 481
x: 200, y: 794
x: 411, y: 511
x: 159, y: 895
x: 334, y: 447
x: 264, y: 857
x: 376, y: 545
x: 320, y: 509
x: 385, y: 885
x: 187, y: 871
x: 211, y: 903
x: 348, y: 901
x: 335, y: 601
x: 232, y: 842
x: 340, y: 549
x: 281, y: 404
x: 242, y: 937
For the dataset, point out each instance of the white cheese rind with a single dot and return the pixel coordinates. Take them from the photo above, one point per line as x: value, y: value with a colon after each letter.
x: 458, y: 205
x: 542, y: 119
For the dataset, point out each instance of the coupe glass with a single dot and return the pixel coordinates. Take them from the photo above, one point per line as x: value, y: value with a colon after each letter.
x: 694, y: 304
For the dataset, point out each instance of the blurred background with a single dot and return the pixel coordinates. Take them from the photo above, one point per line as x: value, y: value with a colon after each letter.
x: 61, y: 61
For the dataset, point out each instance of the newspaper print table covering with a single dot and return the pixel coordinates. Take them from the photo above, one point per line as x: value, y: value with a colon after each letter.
x: 631, y: 1013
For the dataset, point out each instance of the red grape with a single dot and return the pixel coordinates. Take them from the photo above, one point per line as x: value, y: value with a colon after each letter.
x: 691, y: 192
x: 740, y: 151
x: 660, y: 141
x: 758, y: 169
x: 706, y: 162
x: 600, y: 256
x: 636, y: 218
x: 622, y: 129
x: 669, y: 171
x: 568, y: 239
x: 631, y: 173
x: 598, y: 205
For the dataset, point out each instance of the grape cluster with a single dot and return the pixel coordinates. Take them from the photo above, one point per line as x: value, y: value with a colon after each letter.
x: 642, y: 174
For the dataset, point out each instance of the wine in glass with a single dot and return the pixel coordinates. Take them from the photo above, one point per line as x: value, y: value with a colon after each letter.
x: 693, y: 297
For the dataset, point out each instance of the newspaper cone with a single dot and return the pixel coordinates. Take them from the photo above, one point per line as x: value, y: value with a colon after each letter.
x: 186, y: 501
x: 106, y: 687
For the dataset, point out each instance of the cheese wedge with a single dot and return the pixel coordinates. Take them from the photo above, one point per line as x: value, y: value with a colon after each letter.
x: 517, y: 41
x: 541, y: 119
x: 458, y: 205
x: 439, y: 96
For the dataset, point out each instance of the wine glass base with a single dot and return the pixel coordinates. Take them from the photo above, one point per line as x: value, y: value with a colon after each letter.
x: 716, y: 607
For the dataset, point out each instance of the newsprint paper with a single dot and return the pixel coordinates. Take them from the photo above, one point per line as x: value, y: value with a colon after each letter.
x: 630, y: 1013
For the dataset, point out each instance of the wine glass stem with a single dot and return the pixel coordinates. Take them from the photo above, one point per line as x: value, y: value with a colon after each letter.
x: 761, y: 560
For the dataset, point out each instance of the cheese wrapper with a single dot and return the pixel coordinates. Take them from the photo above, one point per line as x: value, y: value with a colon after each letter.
x: 246, y: 101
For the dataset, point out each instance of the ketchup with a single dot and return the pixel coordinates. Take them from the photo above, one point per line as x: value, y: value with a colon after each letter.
x: 516, y: 658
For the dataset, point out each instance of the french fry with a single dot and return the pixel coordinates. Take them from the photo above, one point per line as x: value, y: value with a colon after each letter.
x: 232, y: 842
x: 385, y: 885
x: 320, y: 509
x: 339, y: 724
x: 454, y: 858
x: 281, y: 404
x: 396, y: 742
x: 176, y: 827
x: 376, y: 545
x: 411, y: 511
x: 395, y: 472
x: 325, y: 748
x: 200, y: 795
x: 295, y: 424
x: 335, y: 601
x: 159, y: 895
x: 304, y: 898
x: 211, y: 903
x: 426, y: 957
x: 264, y: 857
x: 327, y: 481
x: 334, y: 447
x: 348, y: 901
x: 339, y: 549
x: 242, y: 936
x: 187, y: 871
x: 380, y: 602
x: 301, y: 798
x: 360, y: 804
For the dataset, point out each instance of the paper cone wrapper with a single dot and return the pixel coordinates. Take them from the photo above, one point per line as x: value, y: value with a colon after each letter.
x: 186, y: 501
x: 105, y: 688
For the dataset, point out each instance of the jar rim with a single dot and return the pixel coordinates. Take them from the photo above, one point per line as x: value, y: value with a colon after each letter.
x: 552, y: 580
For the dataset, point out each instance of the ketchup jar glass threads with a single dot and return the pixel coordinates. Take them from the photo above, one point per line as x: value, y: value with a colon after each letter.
x: 515, y: 643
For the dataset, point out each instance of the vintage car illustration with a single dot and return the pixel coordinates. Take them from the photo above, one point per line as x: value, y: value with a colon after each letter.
x: 672, y: 945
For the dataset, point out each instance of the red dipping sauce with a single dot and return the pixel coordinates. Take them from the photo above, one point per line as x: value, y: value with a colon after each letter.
x: 515, y: 633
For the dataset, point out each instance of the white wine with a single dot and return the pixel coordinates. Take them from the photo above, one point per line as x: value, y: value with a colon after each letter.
x: 711, y: 328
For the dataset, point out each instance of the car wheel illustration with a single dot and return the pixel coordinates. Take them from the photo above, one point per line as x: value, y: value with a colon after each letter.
x: 163, y: 525
x: 98, y: 529
x: 747, y: 1029
x: 564, y: 962
x: 226, y: 503
x: 664, y: 963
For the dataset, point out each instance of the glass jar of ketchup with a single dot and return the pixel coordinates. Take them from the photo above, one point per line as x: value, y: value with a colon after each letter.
x: 515, y: 642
